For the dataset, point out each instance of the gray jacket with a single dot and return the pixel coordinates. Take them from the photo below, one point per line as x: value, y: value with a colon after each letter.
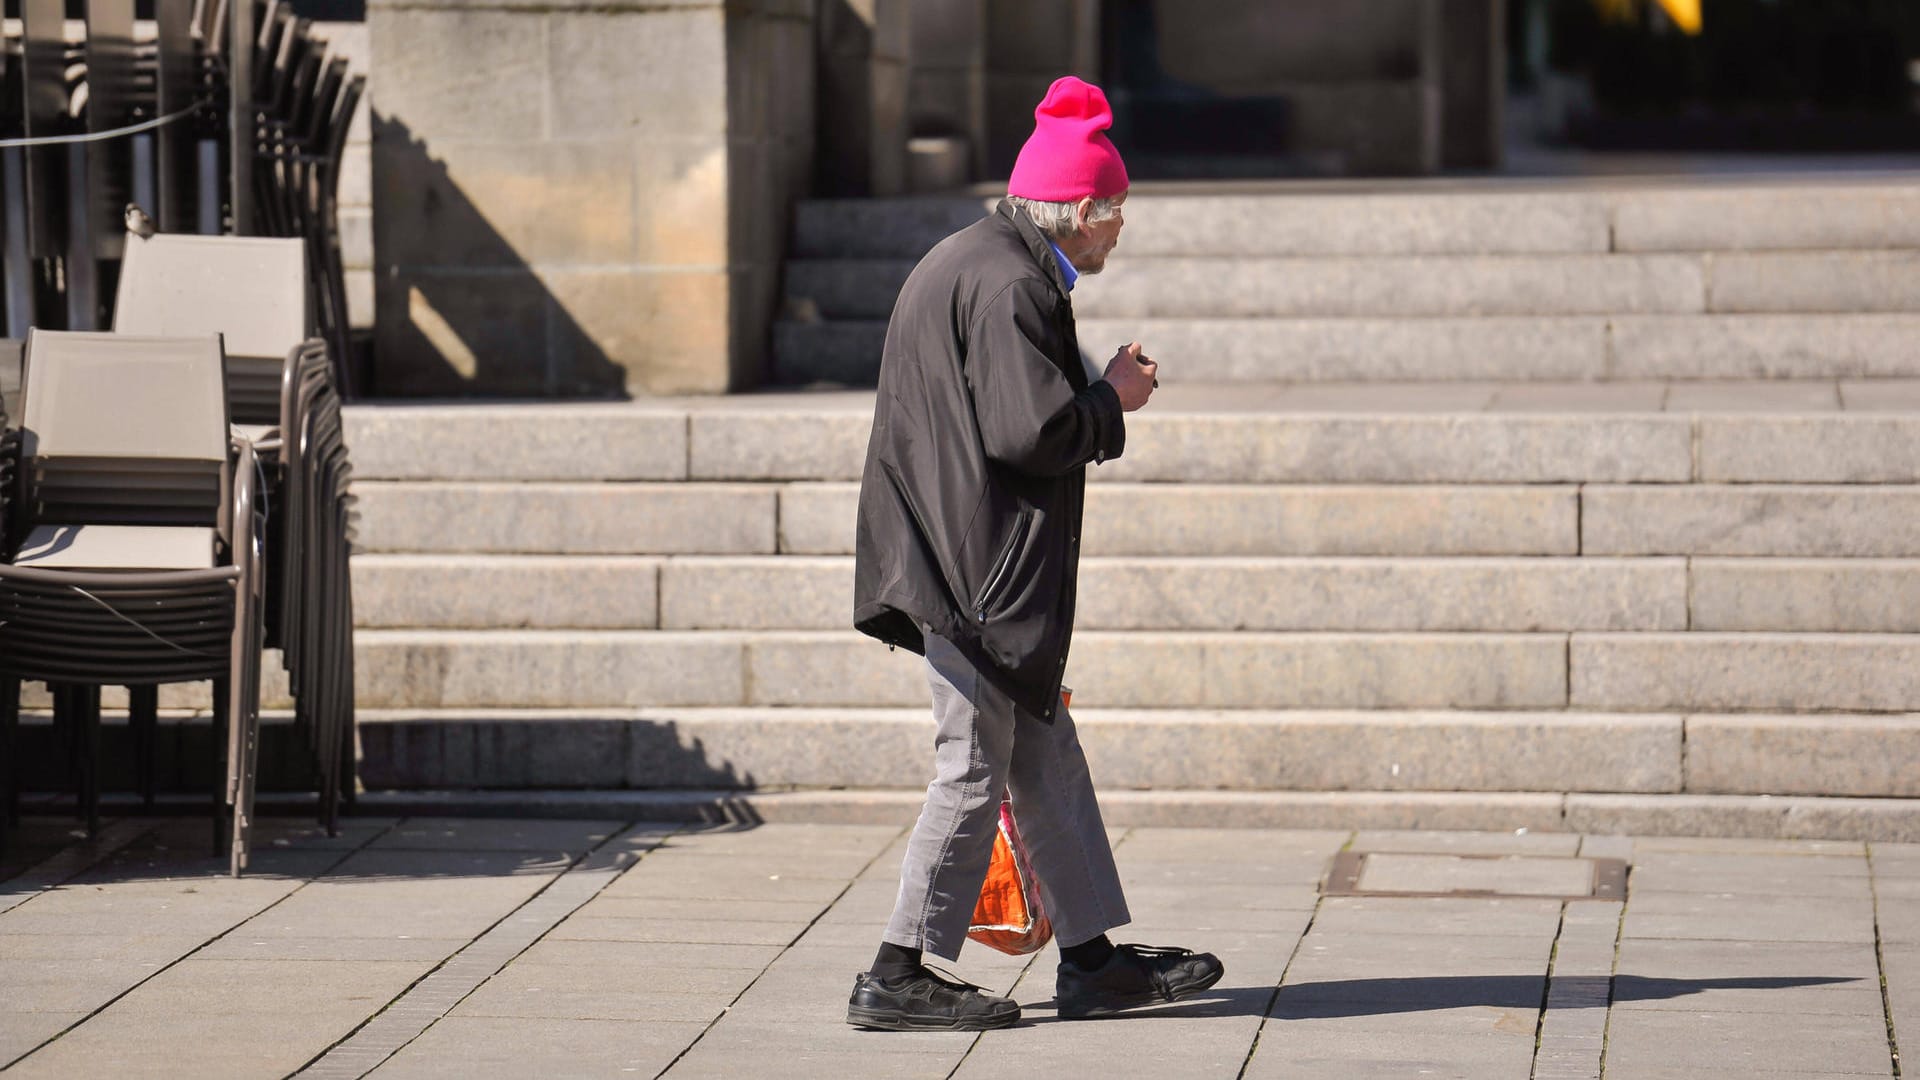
x: 985, y: 421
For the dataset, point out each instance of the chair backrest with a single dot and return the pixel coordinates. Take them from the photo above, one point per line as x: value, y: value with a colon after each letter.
x: 251, y: 290
x: 120, y: 429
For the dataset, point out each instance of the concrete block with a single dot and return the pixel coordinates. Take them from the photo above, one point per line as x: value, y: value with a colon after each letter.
x: 519, y: 442
x: 1841, y: 595
x: 1373, y: 751
x: 1196, y: 519
x: 1357, y: 349
x: 831, y: 229
x: 843, y: 351
x: 1744, y: 815
x: 1824, y: 281
x: 1804, y: 755
x: 648, y: 73
x: 1759, y: 346
x: 1399, y: 286
x: 1728, y: 672
x: 818, y: 519
x: 1453, y: 223
x: 1445, y: 448
x: 460, y: 334
x: 757, y: 594
x: 486, y: 592
x: 1752, y: 396
x: 1881, y: 395
x: 1531, y: 594
x: 444, y: 668
x: 641, y: 331
x: 1805, y: 216
x: 845, y: 288
x: 573, y: 519
x: 765, y: 445
x: 1784, y: 520
x: 459, y: 204
x: 1845, y: 448
x: 681, y: 191
x: 831, y: 669
x: 457, y: 73
x: 783, y: 747
x: 1379, y: 671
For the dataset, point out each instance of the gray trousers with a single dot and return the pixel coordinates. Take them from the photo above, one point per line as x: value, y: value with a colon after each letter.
x: 985, y: 745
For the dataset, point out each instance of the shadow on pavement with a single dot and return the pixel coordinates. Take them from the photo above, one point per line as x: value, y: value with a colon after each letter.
x: 1377, y: 997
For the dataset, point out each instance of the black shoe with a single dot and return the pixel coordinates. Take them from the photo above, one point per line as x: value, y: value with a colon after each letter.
x: 927, y: 1002
x: 1134, y: 975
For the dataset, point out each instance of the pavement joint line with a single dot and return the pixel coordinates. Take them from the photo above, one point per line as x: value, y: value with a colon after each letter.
x: 811, y: 923
x: 1567, y: 1026
x: 1274, y: 998
x: 1880, y: 959
x: 171, y: 964
x: 438, y: 992
x: 69, y: 862
x: 1613, y: 975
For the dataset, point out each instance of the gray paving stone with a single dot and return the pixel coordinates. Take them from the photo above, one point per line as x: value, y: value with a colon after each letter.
x: 467, y: 834
x: 1736, y: 845
x: 1443, y: 916
x: 1466, y: 842
x: 1840, y: 595
x: 1751, y: 396
x: 1705, y: 916
x: 467, y: 1046
x: 1881, y: 395
x: 1523, y: 875
x: 20, y: 1032
x: 1320, y: 1048
x: 1757, y: 816
x: 1791, y: 1042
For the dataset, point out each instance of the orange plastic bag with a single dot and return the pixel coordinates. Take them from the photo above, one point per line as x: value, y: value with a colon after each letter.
x: 1009, y: 916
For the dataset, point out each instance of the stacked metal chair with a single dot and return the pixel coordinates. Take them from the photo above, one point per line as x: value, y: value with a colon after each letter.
x: 282, y: 397
x: 138, y: 562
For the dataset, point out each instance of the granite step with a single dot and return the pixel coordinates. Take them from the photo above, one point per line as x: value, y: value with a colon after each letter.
x: 1268, y: 520
x: 1401, y: 286
x: 1625, y: 672
x: 484, y: 592
x: 1427, y: 218
x: 1394, y: 433
x: 1138, y: 749
x: 1441, y: 349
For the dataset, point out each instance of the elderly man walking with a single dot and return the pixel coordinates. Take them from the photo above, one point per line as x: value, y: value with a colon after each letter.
x: 967, y: 553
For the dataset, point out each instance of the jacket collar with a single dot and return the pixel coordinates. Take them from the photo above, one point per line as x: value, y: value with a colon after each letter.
x: 1037, y: 243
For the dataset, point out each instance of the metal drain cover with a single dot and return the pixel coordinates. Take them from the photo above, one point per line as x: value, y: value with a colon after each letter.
x: 1359, y: 873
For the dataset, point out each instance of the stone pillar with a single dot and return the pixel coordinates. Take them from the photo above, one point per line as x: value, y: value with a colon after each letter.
x: 583, y: 197
x: 863, y: 87
x: 1030, y: 43
x: 1474, y: 78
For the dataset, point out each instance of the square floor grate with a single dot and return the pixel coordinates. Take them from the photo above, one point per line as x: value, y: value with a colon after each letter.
x: 1381, y: 873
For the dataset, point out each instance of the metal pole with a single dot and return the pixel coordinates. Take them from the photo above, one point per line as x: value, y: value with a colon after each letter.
x: 240, y: 138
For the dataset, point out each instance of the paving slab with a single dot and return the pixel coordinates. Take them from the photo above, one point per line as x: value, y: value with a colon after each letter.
x: 461, y: 1047
x: 1761, y: 1042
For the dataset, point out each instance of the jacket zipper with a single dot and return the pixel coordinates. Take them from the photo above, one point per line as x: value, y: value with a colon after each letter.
x: 1003, y: 566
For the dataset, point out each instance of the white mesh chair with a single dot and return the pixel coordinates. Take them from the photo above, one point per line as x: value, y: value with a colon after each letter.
x: 139, y: 563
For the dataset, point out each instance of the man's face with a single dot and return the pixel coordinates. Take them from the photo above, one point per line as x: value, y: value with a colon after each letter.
x: 1096, y: 239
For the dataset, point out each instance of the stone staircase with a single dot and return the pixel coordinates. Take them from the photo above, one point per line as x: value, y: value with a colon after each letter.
x: 1418, y: 533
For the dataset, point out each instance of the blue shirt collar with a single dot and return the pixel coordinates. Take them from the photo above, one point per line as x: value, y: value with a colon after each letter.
x: 1066, y: 265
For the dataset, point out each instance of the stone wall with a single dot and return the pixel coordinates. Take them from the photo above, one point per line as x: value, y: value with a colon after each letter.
x: 863, y: 87
x: 583, y: 198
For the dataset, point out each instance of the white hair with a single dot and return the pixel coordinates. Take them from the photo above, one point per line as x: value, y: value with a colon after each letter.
x: 1056, y: 218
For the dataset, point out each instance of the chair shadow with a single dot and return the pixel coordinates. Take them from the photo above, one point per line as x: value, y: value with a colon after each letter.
x: 1382, y: 997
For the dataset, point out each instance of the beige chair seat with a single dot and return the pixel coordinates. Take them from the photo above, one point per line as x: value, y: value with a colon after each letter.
x: 118, y: 547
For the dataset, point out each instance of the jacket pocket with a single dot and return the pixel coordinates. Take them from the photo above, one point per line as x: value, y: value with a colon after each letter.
x: 1001, y: 572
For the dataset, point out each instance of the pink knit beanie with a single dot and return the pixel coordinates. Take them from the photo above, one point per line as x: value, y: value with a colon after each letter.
x: 1068, y: 157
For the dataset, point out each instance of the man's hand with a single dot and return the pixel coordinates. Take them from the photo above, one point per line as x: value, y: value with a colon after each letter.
x: 1131, y: 376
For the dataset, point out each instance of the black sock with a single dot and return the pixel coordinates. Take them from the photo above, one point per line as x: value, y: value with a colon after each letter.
x: 894, y: 961
x: 1088, y: 955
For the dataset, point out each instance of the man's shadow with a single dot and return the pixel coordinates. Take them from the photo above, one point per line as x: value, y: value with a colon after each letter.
x: 1380, y: 997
